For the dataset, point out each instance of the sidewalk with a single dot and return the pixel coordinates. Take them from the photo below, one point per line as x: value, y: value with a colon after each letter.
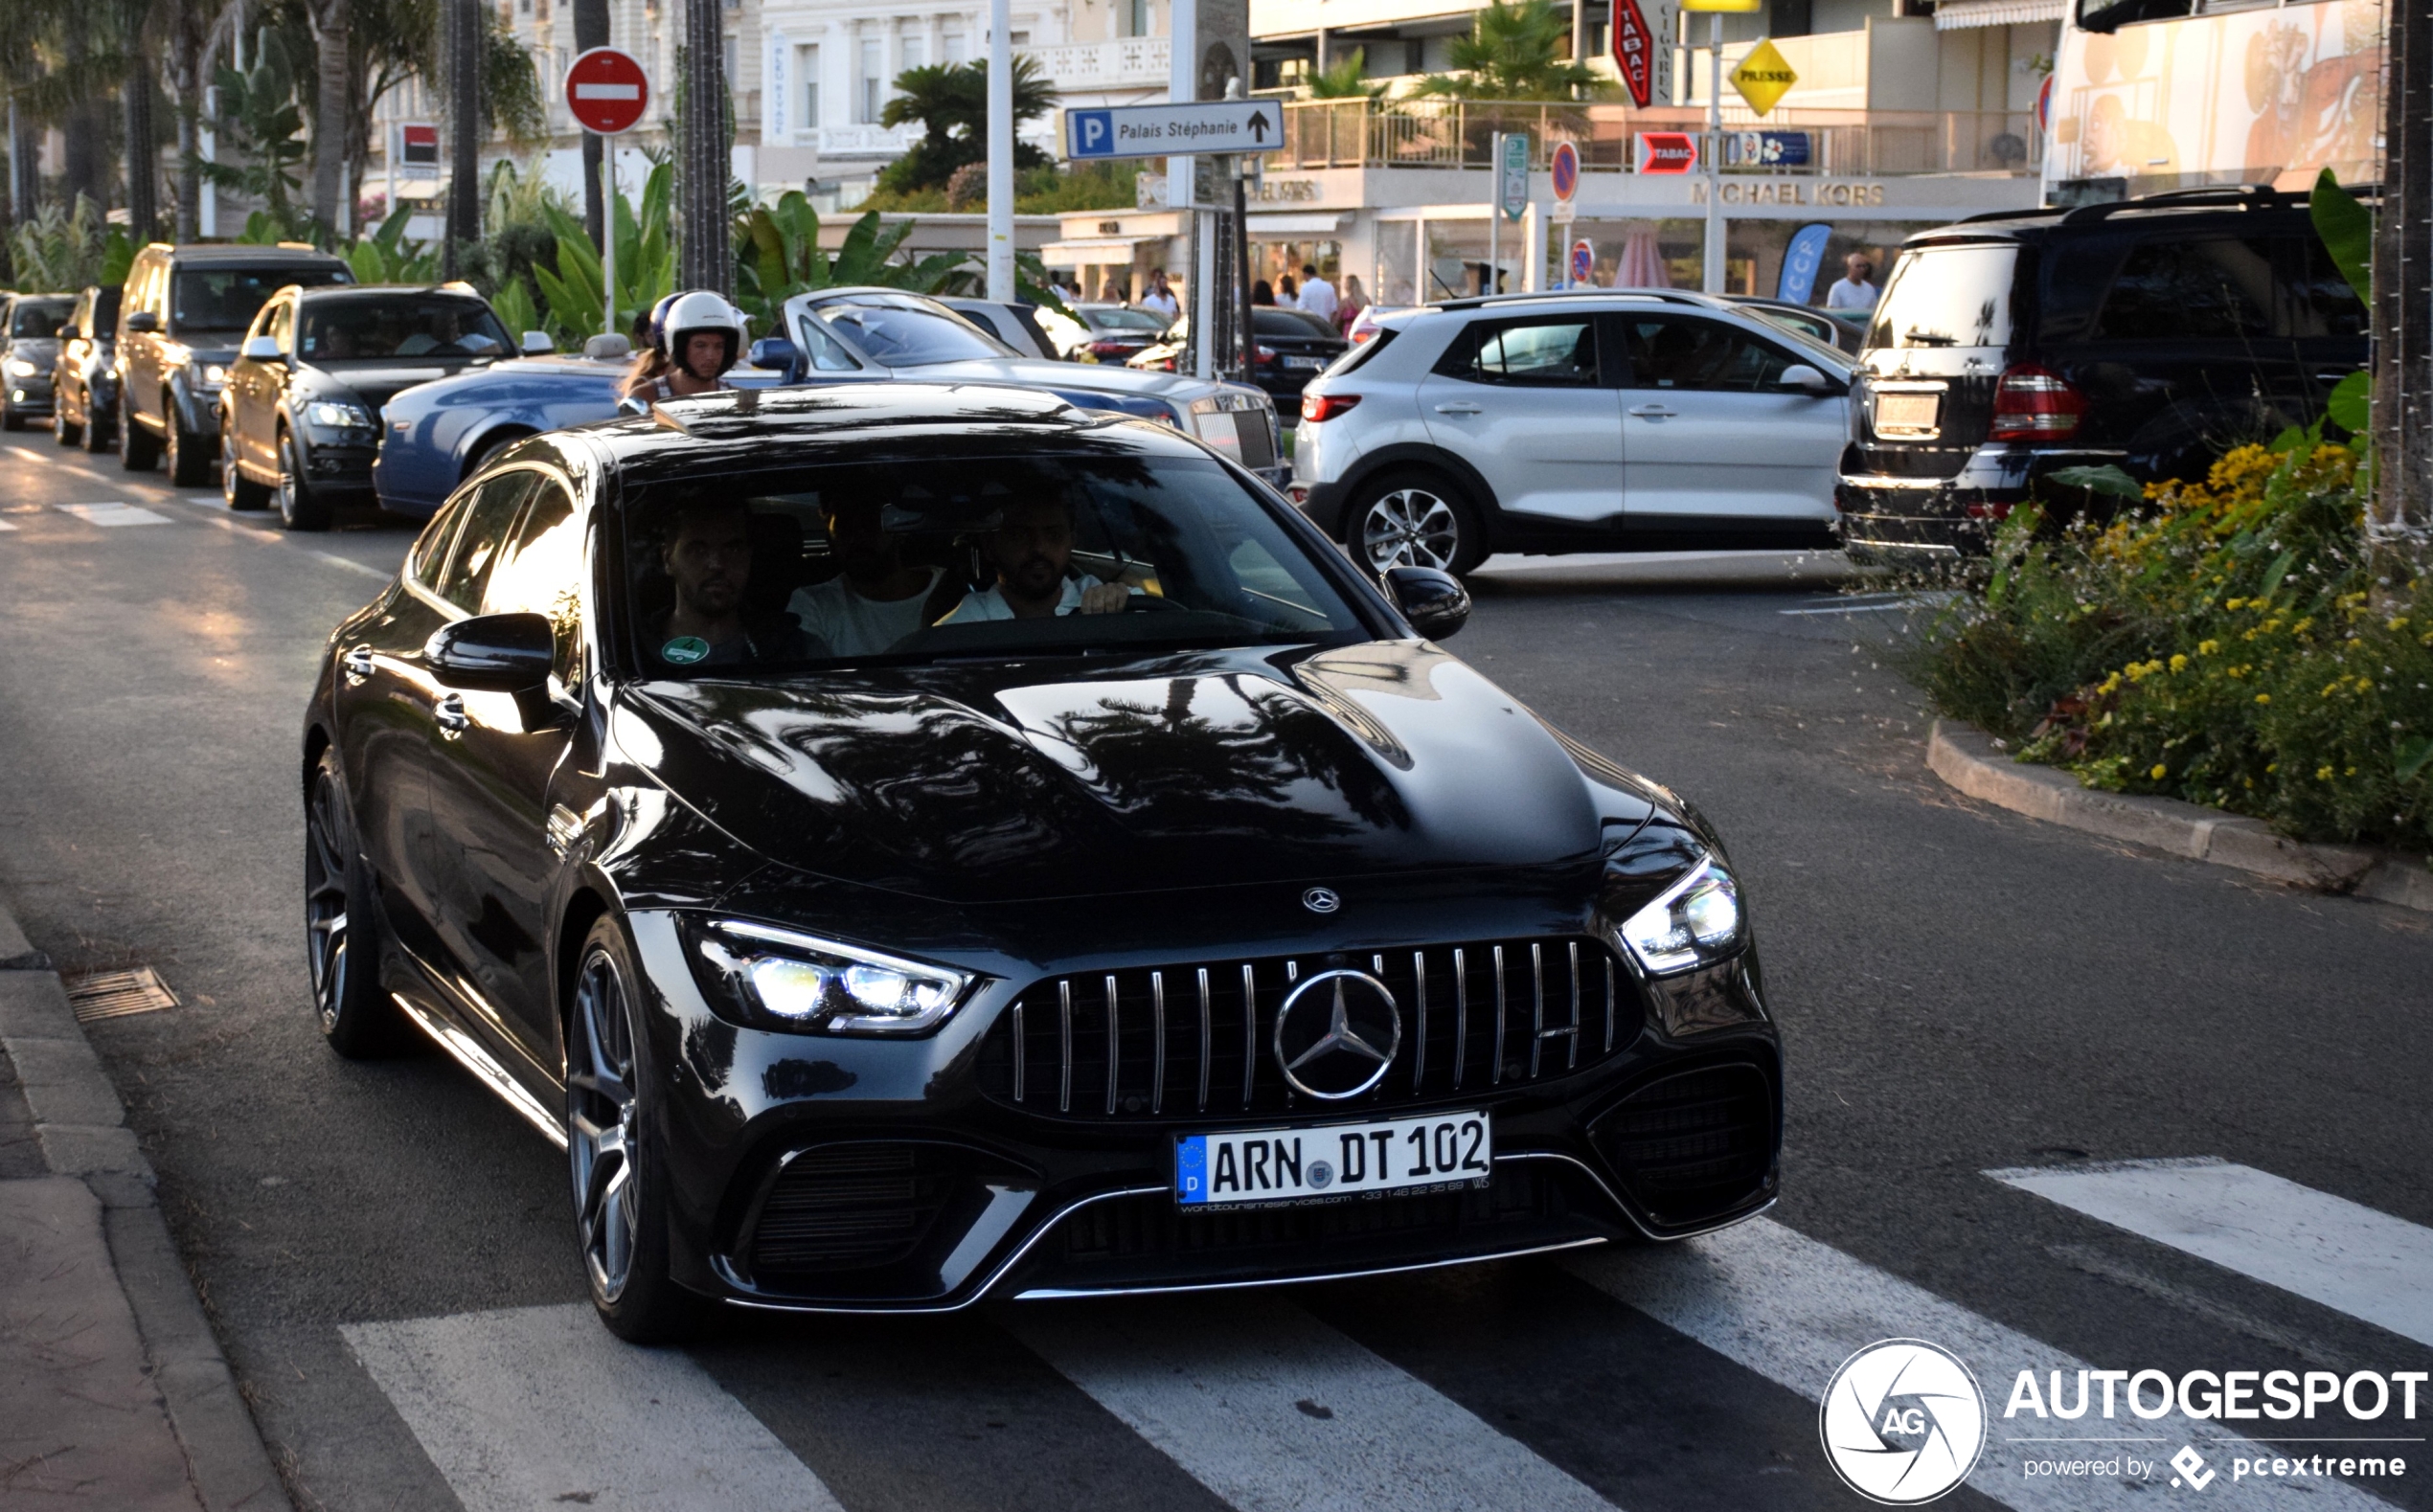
x: 113, y: 1392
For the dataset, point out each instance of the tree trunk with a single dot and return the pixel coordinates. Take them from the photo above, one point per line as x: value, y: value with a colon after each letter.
x: 25, y: 166
x: 82, y: 127
x: 142, y: 152
x: 703, y: 164
x: 2402, y: 423
x: 461, y: 38
x: 591, y: 30
x: 334, y: 104
x: 189, y: 57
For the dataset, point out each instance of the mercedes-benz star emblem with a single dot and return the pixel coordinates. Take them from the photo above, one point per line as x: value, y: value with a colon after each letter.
x: 1322, y: 900
x: 1336, y: 1035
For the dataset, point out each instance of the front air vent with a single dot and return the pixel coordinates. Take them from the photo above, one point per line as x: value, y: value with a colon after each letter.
x: 848, y: 1206
x: 1695, y: 1145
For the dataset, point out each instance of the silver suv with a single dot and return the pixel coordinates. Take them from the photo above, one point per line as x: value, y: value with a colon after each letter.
x: 1589, y: 421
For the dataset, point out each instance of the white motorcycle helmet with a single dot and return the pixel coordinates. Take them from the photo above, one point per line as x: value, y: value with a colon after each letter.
x: 700, y: 312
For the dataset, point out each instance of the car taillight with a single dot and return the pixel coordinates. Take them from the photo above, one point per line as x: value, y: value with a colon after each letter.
x: 1316, y: 406
x: 1361, y: 338
x: 1263, y: 354
x: 2035, y: 404
x: 1111, y: 349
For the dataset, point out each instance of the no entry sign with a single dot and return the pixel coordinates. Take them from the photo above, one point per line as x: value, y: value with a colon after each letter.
x: 608, y: 91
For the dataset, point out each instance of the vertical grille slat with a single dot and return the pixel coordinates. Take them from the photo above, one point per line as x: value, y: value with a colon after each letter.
x: 1120, y: 1068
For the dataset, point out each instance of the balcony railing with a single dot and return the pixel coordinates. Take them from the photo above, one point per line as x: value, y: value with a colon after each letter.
x: 1124, y: 62
x: 1457, y: 133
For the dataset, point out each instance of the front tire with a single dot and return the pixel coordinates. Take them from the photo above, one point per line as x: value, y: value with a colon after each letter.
x: 299, y: 508
x: 612, y: 1152
x: 1413, y: 518
x: 342, y: 930
x: 10, y: 418
x: 64, y: 430
x: 236, y: 491
x: 137, y: 449
x: 99, y: 436
x: 188, y: 456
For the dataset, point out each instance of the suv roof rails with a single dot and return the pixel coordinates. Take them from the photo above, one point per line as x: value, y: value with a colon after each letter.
x: 2258, y: 196
x: 1477, y: 301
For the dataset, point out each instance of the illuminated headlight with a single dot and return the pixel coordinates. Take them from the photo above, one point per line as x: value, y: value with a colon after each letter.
x: 19, y: 367
x: 1696, y: 922
x: 792, y: 981
x: 338, y: 415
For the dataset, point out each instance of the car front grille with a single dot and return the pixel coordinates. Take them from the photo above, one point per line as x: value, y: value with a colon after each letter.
x: 848, y: 1206
x: 1257, y: 433
x: 1195, y: 1040
x: 1695, y: 1143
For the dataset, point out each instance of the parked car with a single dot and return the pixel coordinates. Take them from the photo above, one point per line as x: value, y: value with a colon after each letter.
x: 29, y: 347
x: 185, y: 311
x: 864, y: 334
x: 1013, y: 322
x: 1593, y: 420
x: 84, y: 376
x: 1009, y: 957
x: 1293, y: 348
x: 434, y: 435
x: 1110, y: 333
x: 1844, y: 329
x: 2148, y: 334
x: 299, y: 417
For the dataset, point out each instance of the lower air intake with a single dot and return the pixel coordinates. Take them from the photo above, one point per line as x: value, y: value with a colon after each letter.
x: 1695, y: 1145
x: 850, y: 1206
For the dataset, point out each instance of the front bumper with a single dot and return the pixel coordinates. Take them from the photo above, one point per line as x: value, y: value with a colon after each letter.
x: 825, y: 1173
x: 1890, y: 520
x: 30, y: 395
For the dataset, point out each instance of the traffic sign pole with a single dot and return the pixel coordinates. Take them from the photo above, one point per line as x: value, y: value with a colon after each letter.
x: 1495, y: 209
x: 608, y: 235
x: 1714, y: 154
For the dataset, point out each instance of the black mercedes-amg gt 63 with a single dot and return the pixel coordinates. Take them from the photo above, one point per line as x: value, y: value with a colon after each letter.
x: 917, y: 844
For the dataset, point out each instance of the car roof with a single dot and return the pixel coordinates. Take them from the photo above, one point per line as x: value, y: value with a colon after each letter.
x: 347, y: 291
x: 239, y: 252
x: 1546, y: 296
x: 2220, y: 200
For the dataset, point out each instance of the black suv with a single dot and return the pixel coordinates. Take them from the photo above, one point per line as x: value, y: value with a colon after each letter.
x: 2152, y: 334
x: 185, y: 309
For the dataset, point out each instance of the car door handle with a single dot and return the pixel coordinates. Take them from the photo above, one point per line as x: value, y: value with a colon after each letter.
x: 356, y: 664
x: 448, y: 714
x: 1461, y: 407
x: 1653, y: 412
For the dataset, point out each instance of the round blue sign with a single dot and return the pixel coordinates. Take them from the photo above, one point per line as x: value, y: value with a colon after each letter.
x: 1566, y: 170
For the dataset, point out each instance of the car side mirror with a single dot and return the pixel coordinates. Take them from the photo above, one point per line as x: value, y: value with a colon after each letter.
x: 261, y: 348
x: 773, y: 352
x: 633, y: 404
x: 1806, y: 380
x: 503, y: 653
x: 143, y: 320
x: 1434, y: 601
x: 537, y: 343
x: 608, y: 347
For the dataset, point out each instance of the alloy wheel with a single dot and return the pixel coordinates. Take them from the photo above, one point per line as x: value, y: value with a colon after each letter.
x: 602, y: 1126
x: 326, y: 842
x: 1410, y: 528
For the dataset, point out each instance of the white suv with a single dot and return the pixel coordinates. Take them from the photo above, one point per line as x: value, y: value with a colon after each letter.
x: 1589, y: 421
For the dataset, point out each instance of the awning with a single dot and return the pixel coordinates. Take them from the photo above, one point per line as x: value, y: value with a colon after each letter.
x: 1304, y: 223
x: 1091, y: 251
x: 1952, y: 16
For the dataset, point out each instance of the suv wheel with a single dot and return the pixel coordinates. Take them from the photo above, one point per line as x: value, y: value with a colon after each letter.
x: 100, y: 433
x: 186, y: 454
x: 236, y: 491
x: 10, y: 418
x: 137, y: 450
x: 1414, y: 519
x: 299, y: 509
x: 64, y: 431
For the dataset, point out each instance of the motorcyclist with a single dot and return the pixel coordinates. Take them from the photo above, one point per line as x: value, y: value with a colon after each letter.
x: 694, y: 338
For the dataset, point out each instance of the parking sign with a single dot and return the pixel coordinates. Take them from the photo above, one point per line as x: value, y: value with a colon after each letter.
x: 1583, y: 263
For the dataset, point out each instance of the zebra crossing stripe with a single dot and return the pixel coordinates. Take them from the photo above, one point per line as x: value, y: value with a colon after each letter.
x: 1276, y: 1412
x: 113, y: 512
x: 1793, y: 1309
x: 2325, y: 1249
x: 541, y: 1407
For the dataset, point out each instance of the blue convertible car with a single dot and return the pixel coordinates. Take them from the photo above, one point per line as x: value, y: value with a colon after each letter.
x: 434, y: 435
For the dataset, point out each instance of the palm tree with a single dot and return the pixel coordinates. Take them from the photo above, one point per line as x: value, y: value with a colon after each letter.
x: 1515, y: 51
x: 950, y: 102
x: 1345, y: 79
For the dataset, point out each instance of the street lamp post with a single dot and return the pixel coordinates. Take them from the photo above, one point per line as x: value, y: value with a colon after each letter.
x: 1000, y: 151
x: 1714, y: 284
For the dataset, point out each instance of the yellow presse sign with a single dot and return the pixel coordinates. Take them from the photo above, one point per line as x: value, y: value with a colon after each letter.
x: 1723, y: 5
x: 1763, y: 77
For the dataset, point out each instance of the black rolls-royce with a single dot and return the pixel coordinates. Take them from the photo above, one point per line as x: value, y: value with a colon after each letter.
x: 915, y: 843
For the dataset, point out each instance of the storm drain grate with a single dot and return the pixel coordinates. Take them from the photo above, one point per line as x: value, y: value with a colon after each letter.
x: 116, y: 994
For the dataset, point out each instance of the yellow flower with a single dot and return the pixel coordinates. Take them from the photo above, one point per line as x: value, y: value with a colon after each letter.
x: 2234, y: 604
x: 2323, y: 773
x: 2263, y: 698
x: 2180, y: 664
x: 2208, y: 648
x: 2159, y: 771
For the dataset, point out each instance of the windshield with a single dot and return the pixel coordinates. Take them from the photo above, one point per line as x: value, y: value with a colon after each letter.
x: 910, y: 336
x: 227, y: 298
x: 1110, y: 318
x: 1954, y: 296
x: 336, y: 329
x: 40, y: 317
x: 875, y: 562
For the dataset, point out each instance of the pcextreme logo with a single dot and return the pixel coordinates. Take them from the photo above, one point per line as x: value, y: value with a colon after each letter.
x: 1902, y: 1421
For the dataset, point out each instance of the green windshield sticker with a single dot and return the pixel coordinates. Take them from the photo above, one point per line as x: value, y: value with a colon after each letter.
x: 685, y: 649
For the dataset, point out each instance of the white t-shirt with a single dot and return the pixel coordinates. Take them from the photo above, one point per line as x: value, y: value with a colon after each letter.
x: 853, y: 625
x: 1161, y: 302
x: 991, y: 604
x: 1850, y: 294
x: 1317, y: 298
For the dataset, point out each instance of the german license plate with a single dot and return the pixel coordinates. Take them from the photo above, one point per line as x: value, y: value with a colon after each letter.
x: 1907, y: 414
x: 1344, y: 1159
x: 1305, y: 364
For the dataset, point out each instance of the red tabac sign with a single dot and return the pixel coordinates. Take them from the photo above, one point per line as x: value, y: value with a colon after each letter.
x: 1634, y: 50
x: 608, y: 91
x: 1667, y: 152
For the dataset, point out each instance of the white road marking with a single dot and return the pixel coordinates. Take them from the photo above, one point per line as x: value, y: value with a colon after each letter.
x: 1276, y: 1412
x: 1793, y: 1309
x: 541, y: 1407
x: 1850, y: 609
x: 5, y: 527
x: 2325, y: 1249
x: 112, y: 513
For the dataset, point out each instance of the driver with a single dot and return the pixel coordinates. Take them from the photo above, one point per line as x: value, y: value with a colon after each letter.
x: 878, y: 598
x: 1032, y: 549
x: 708, y: 555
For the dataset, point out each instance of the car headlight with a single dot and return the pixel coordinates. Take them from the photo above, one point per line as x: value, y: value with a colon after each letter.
x: 1695, y: 922
x: 338, y: 415
x: 214, y: 374
x: 786, y: 980
x: 19, y: 367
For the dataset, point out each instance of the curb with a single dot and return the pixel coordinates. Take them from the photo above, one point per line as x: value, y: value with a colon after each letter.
x: 81, y: 1128
x: 1973, y: 763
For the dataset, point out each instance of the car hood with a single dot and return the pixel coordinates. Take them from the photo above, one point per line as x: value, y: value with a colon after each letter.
x: 377, y: 383
x: 1060, y: 376
x: 1049, y: 779
x: 35, y: 349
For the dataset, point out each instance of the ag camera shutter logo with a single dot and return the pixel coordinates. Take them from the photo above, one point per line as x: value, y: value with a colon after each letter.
x: 1902, y: 1422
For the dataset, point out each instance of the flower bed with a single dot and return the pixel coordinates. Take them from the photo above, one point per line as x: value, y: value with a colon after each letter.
x: 2233, y: 643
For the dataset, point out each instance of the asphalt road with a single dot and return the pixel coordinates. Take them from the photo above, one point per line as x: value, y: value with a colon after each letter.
x: 387, y: 1251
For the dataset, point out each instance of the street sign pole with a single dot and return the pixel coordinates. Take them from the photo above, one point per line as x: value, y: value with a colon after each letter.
x: 1714, y: 154
x: 1494, y: 207
x: 1000, y: 151
x: 608, y: 234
